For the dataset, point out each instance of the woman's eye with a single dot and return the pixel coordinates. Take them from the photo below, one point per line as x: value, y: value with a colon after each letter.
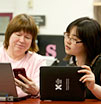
x: 74, y: 39
x: 27, y: 37
x: 18, y: 34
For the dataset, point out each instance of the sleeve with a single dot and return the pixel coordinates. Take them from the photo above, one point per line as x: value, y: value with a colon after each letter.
x: 97, y: 70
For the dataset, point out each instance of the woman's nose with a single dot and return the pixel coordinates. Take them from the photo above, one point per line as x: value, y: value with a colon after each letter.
x: 22, y: 39
x: 68, y: 41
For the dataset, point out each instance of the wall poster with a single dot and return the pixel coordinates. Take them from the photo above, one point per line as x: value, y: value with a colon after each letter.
x: 4, y: 20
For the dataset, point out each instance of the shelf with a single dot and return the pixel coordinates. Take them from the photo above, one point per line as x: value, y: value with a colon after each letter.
x: 97, y: 3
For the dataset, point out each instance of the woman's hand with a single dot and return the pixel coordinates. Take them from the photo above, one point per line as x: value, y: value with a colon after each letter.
x: 88, y: 78
x: 28, y: 87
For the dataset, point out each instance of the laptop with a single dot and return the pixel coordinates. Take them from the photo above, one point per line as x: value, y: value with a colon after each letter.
x: 8, y: 90
x: 61, y: 83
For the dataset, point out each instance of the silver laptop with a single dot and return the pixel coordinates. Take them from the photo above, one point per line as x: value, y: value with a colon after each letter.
x: 8, y: 90
x: 61, y: 83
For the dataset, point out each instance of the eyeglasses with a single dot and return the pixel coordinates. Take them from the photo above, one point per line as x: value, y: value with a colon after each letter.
x: 72, y: 40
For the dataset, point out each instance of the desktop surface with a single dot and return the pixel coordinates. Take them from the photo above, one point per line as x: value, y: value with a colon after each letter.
x: 38, y: 101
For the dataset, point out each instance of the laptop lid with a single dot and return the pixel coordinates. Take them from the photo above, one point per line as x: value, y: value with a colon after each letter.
x: 8, y: 90
x: 7, y: 84
x: 61, y: 83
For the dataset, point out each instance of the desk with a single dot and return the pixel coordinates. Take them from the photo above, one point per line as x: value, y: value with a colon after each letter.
x: 37, y: 101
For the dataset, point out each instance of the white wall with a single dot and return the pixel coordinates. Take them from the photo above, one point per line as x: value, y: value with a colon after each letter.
x: 59, y: 13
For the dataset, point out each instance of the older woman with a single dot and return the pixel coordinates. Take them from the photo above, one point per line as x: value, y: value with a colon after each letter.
x: 20, y: 49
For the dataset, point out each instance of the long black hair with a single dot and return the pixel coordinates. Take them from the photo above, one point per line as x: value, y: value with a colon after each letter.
x: 89, y: 31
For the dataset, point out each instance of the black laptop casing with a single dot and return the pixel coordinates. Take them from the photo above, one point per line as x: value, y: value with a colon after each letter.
x: 61, y: 83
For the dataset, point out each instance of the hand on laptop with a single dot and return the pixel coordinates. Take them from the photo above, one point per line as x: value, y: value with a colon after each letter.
x: 28, y: 87
x: 88, y: 78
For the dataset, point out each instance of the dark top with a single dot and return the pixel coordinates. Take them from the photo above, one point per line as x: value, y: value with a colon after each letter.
x: 96, y: 68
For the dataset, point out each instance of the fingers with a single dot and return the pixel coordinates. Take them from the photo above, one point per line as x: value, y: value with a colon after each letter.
x: 89, y: 76
x: 26, y: 80
x: 28, y: 87
x: 20, y: 83
x: 86, y: 78
x: 86, y: 67
x: 84, y: 71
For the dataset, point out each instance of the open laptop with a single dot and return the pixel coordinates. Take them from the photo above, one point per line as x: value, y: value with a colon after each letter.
x: 8, y: 90
x: 61, y: 83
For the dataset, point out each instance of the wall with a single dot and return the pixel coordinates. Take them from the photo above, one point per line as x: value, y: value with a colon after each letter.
x: 59, y: 13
